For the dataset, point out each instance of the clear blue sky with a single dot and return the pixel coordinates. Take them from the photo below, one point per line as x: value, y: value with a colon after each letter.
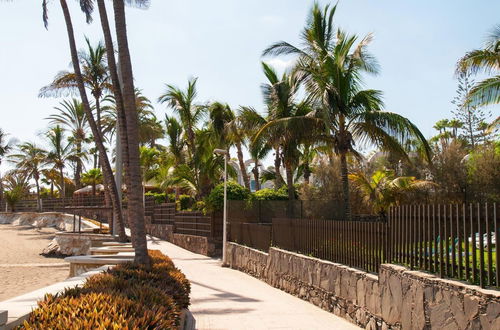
x: 416, y: 42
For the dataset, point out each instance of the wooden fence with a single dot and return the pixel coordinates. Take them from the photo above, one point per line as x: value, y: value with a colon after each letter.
x: 453, y: 241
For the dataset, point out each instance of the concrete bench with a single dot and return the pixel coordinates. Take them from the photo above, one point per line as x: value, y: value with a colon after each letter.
x: 110, y: 250
x: 82, y: 264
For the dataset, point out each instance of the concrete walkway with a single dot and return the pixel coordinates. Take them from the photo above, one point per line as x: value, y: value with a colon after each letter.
x: 222, y: 298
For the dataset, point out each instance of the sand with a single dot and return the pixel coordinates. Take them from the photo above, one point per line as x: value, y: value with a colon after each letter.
x: 22, y: 268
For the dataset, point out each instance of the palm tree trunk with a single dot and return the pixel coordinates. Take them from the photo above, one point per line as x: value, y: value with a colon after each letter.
x: 135, y: 205
x: 244, y: 174
x: 117, y: 92
x: 256, y: 174
x: 345, y: 186
x: 278, y: 182
x: 107, y: 172
x: 78, y: 170
x: 38, y: 206
x: 307, y: 173
x: 290, y: 188
x: 63, y: 184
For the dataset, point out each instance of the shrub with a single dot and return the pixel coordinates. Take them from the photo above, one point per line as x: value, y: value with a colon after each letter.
x: 158, y: 197
x: 185, y: 202
x: 127, y: 296
x: 199, y: 206
x: 215, y: 199
x: 268, y: 194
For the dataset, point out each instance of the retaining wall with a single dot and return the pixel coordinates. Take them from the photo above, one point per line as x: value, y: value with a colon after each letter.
x: 395, y: 299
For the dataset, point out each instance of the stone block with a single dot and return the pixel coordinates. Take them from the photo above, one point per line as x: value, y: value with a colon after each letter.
x: 392, y: 299
x: 3, y: 317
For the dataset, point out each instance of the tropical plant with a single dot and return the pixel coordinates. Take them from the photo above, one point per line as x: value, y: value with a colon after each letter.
x: 383, y: 189
x: 95, y: 76
x: 228, y: 132
x: 31, y: 159
x: 133, y: 170
x: 215, y: 200
x: 331, y: 65
x: 182, y: 102
x: 80, y: 83
x: 58, y: 153
x: 486, y: 61
x: 92, y: 177
x: 71, y: 115
x: 283, y: 129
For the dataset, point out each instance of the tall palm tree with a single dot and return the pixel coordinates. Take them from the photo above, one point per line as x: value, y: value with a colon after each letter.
x: 251, y: 121
x: 226, y: 126
x: 175, y: 141
x: 95, y: 76
x: 282, y: 130
x: 486, y: 61
x: 135, y: 198
x: 58, y: 153
x: 108, y: 173
x: 31, y: 159
x: 331, y: 64
x: 189, y: 112
x: 71, y: 115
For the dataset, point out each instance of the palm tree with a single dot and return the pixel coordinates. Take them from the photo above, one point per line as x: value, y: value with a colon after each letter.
x: 228, y: 132
x: 18, y: 184
x: 92, y: 177
x: 51, y: 178
x: 95, y: 76
x: 174, y: 136
x: 31, y: 159
x: 71, y: 115
x: 108, y: 173
x: 282, y: 129
x: 484, y: 61
x: 383, y: 189
x: 190, y: 113
x: 135, y: 198
x: 258, y: 149
x: 58, y: 154
x: 251, y: 121
x: 331, y: 64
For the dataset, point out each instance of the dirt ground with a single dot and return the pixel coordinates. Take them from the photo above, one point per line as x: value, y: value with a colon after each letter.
x: 22, y: 268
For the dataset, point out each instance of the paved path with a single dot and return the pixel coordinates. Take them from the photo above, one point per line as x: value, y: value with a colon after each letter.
x: 223, y: 298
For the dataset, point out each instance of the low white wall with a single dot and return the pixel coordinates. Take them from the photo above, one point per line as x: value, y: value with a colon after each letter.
x: 58, y: 220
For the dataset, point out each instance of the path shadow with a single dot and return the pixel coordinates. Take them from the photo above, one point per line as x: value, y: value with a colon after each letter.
x: 224, y: 295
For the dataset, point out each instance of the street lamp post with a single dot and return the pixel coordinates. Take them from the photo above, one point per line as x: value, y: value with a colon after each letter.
x: 225, y: 153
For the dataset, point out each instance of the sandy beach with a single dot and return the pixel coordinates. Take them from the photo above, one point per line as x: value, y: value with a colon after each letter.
x: 22, y: 268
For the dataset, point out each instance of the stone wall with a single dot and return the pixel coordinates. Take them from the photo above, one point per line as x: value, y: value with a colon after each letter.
x: 396, y: 299
x: 196, y: 244
x: 162, y: 231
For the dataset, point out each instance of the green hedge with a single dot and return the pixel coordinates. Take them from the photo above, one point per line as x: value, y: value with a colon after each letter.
x: 215, y: 200
x: 126, y: 296
x: 268, y: 194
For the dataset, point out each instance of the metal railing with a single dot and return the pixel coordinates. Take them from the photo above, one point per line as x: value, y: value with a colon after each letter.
x: 453, y: 241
